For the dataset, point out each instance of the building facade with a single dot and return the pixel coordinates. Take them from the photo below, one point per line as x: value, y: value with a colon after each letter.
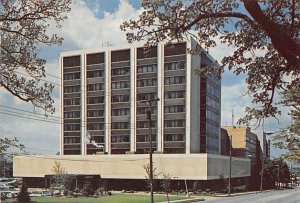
x: 102, y: 93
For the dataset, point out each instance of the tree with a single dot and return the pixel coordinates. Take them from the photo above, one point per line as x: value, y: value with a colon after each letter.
x: 24, y: 27
x: 61, y: 178
x: 264, y: 34
x: 166, y: 183
x: 155, y: 175
x: 24, y: 195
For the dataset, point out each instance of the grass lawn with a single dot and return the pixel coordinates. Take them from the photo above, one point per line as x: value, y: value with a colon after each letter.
x: 116, y: 198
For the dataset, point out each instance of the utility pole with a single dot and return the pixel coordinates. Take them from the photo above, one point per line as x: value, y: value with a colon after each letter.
x: 230, y: 161
x: 148, y: 114
x: 262, y: 163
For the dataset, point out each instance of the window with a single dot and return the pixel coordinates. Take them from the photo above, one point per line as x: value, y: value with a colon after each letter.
x: 72, y: 102
x: 71, y: 127
x: 145, y: 138
x: 72, y: 76
x: 121, y: 55
x: 175, y: 49
x: 95, y: 126
x: 174, y: 123
x: 120, y: 112
x: 95, y: 74
x: 120, y: 138
x: 71, y: 61
x: 120, y: 71
x: 96, y: 58
x: 142, y: 110
x: 174, y: 80
x: 175, y: 65
x: 174, y: 137
x: 120, y: 125
x: 95, y: 100
x: 72, y: 114
x: 95, y: 113
x: 147, y: 52
x: 174, y: 109
x: 147, y: 82
x: 146, y: 96
x: 174, y: 94
x: 120, y: 98
x: 152, y: 68
x: 120, y: 85
x: 70, y: 140
x: 71, y: 89
x: 95, y: 87
x: 145, y: 124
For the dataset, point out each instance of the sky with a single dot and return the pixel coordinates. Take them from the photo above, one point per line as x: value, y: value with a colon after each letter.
x: 92, y: 24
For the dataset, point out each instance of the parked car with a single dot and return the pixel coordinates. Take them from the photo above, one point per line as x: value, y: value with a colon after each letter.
x: 35, y: 194
x: 46, y: 193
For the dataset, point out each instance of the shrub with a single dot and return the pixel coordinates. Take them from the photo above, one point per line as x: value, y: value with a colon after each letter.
x: 24, y: 195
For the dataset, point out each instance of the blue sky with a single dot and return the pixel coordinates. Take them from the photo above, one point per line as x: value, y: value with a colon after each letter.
x: 90, y: 24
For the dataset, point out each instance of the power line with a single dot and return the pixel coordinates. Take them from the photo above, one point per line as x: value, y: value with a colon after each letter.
x: 27, y: 111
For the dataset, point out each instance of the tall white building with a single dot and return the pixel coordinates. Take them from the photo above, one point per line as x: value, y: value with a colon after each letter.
x: 102, y: 92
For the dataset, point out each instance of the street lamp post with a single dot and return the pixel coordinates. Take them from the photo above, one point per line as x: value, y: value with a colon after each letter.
x: 148, y: 114
x: 263, y: 159
x: 278, y: 184
x: 230, y: 162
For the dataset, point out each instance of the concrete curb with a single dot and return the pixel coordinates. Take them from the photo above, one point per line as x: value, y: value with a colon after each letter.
x: 185, y: 200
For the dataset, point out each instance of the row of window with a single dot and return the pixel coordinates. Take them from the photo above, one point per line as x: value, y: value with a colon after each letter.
x: 175, y: 94
x: 120, y: 85
x: 120, y: 125
x: 120, y: 71
x: 71, y: 127
x: 174, y: 123
x: 175, y: 65
x: 95, y: 113
x: 174, y: 80
x: 95, y: 73
x: 212, y: 116
x: 71, y: 89
x: 72, y: 76
x: 95, y: 87
x: 146, y: 96
x: 145, y: 124
x: 147, y: 68
x: 145, y: 138
x: 95, y: 100
x: 143, y: 110
x: 69, y: 140
x: 120, y: 98
x: 120, y: 138
x: 212, y: 103
x: 72, y: 102
x: 120, y: 112
x: 95, y: 126
x: 174, y: 109
x: 72, y: 114
x: 212, y: 90
x: 174, y: 137
x: 147, y: 82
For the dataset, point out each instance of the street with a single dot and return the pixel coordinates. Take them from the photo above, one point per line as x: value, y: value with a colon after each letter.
x: 276, y: 196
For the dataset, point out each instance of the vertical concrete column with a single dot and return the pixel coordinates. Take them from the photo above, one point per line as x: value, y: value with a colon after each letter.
x: 133, y: 78
x: 83, y: 104
x: 160, y: 95
x: 107, y: 102
x: 188, y: 100
x: 61, y: 107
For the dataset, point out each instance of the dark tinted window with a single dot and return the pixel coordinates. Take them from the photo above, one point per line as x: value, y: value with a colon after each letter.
x: 95, y: 58
x: 123, y: 55
x: 175, y: 49
x: 146, y: 52
x: 71, y: 61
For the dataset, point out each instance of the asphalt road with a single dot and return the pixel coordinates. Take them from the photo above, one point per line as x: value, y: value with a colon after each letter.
x: 275, y: 196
